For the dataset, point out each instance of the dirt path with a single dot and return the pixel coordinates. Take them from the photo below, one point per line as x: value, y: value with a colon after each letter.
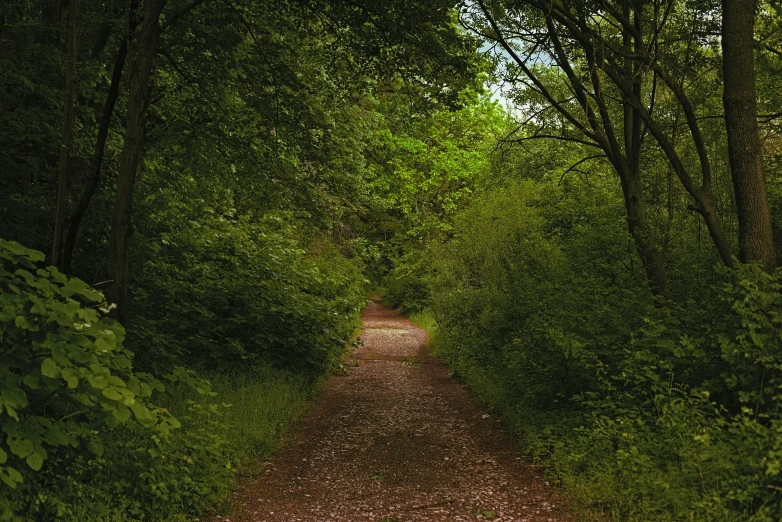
x: 396, y: 440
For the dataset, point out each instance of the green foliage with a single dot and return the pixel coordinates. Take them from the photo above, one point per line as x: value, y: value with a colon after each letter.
x: 642, y: 411
x: 434, y: 166
x: 65, y: 374
x: 226, y: 291
x: 407, y: 285
x: 178, y: 477
x: 274, y: 140
x: 78, y: 422
x: 535, y: 313
x: 437, y: 160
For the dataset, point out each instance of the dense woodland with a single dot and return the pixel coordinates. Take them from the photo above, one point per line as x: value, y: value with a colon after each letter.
x: 579, y: 199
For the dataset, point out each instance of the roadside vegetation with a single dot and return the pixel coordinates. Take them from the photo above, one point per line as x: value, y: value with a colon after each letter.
x: 579, y: 201
x: 201, y: 176
x: 598, y: 290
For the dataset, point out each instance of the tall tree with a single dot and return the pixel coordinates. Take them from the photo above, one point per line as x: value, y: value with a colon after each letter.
x: 611, y: 77
x: 97, y: 159
x: 756, y: 240
x: 138, y: 99
x: 62, y: 194
x: 618, y: 137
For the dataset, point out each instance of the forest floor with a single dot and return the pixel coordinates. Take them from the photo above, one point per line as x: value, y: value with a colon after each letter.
x: 396, y: 440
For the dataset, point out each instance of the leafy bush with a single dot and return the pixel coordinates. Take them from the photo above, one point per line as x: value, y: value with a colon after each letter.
x: 226, y: 291
x: 644, y: 412
x: 64, y: 374
x: 82, y: 441
x: 515, y: 299
x: 407, y: 284
x: 178, y: 477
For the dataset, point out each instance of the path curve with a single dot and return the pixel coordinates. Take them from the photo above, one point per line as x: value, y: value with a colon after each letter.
x: 396, y: 440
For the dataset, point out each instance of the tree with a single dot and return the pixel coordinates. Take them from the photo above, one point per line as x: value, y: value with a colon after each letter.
x: 100, y: 148
x: 756, y: 240
x: 613, y: 74
x: 138, y: 99
x: 66, y: 139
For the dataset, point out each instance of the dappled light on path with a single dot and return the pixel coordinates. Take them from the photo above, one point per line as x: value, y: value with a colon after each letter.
x: 397, y: 440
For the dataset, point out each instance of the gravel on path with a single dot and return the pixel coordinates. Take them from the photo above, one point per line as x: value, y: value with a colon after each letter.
x: 397, y: 440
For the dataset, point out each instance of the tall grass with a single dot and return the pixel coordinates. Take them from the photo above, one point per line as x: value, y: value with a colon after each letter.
x: 262, y: 405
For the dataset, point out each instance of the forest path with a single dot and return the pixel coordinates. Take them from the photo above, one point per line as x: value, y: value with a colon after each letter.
x: 396, y: 440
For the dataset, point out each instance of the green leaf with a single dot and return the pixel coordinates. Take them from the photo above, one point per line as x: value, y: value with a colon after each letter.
x: 99, y: 369
x: 10, y: 477
x: 23, y: 323
x: 121, y: 361
x: 71, y: 376
x: 95, y: 447
x: 20, y: 447
x: 32, y: 381
x: 38, y: 308
x: 22, y: 251
x: 116, y: 381
x: 11, y: 412
x: 140, y: 411
x: 35, y: 461
x: 102, y: 346
x: 110, y: 392
x: 76, y: 286
x: 15, y: 397
x: 97, y: 381
x: 61, y: 357
x: 49, y: 368
x: 122, y: 414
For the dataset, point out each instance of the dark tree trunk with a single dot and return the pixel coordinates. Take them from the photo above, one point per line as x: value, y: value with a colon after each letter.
x: 97, y: 159
x: 756, y: 242
x: 646, y: 246
x: 708, y: 211
x: 62, y: 177
x: 138, y: 96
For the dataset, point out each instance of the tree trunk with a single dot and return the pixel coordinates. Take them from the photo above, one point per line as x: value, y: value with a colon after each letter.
x: 62, y: 177
x: 708, y: 211
x: 97, y: 159
x: 756, y: 242
x: 637, y: 223
x: 138, y: 95
x: 646, y: 244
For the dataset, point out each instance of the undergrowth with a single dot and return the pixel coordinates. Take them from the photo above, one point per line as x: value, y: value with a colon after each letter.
x: 96, y: 432
x: 641, y: 410
x: 223, y: 436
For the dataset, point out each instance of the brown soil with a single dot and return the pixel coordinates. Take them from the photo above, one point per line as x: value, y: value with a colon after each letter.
x: 397, y: 440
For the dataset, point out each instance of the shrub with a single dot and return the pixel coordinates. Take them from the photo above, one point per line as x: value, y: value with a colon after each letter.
x: 643, y: 410
x: 407, y: 284
x: 64, y: 374
x: 225, y: 293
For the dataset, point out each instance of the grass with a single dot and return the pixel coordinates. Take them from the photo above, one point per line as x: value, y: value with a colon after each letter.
x: 425, y: 320
x: 263, y: 403
x: 257, y: 408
